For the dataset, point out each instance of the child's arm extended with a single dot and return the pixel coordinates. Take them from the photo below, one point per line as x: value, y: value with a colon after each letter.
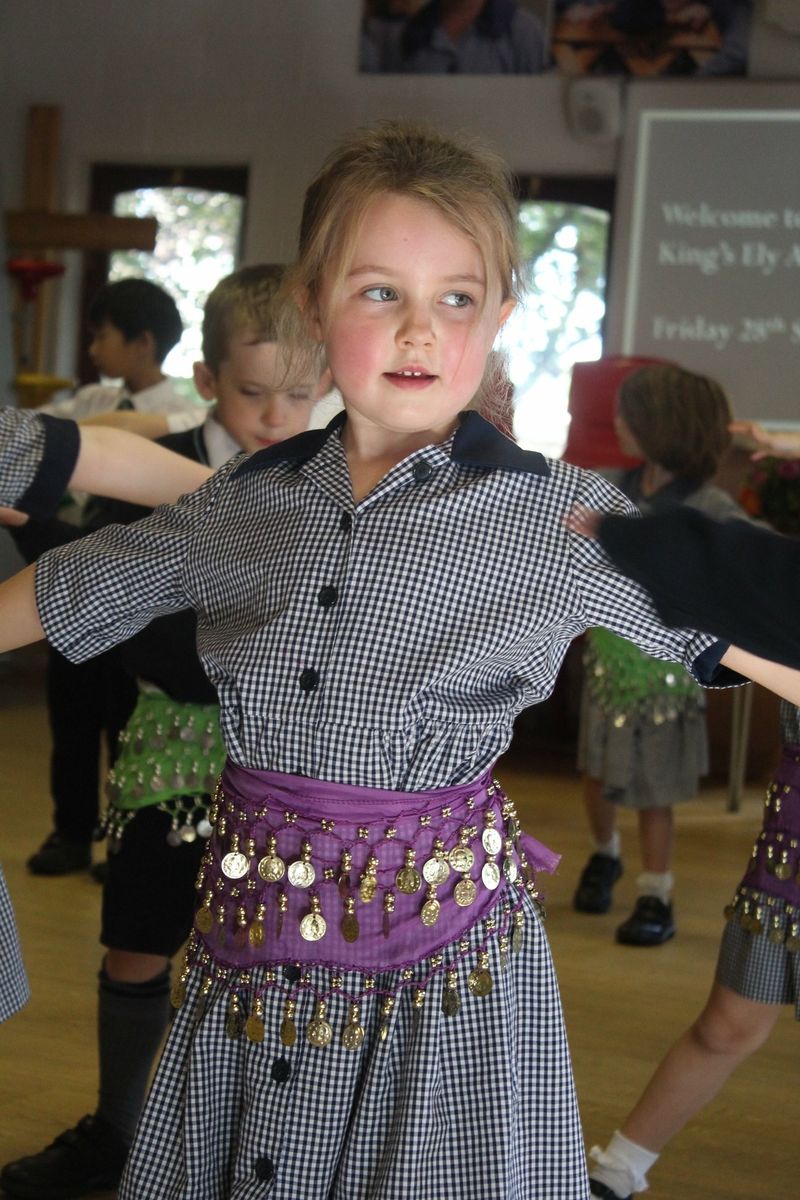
x: 19, y: 616
x: 40, y: 455
x: 784, y: 681
x: 126, y: 467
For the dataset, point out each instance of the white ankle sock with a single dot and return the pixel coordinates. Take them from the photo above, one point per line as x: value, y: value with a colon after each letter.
x: 610, y: 848
x: 656, y: 883
x: 622, y: 1166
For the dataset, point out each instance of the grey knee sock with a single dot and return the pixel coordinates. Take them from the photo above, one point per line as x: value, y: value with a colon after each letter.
x: 131, y: 1020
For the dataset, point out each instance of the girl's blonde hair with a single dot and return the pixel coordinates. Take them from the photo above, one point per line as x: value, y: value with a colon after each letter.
x: 469, y: 185
x: 679, y: 419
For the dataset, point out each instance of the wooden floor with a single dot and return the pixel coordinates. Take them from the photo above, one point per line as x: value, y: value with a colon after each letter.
x: 623, y: 1005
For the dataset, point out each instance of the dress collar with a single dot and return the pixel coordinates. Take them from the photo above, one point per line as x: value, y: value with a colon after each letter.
x: 476, y: 443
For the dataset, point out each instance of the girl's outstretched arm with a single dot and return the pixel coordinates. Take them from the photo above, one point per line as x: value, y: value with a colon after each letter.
x: 19, y: 616
x: 126, y: 467
x: 782, y: 443
x: 784, y: 681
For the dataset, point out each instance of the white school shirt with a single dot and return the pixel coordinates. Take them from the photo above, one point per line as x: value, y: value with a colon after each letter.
x: 182, y: 412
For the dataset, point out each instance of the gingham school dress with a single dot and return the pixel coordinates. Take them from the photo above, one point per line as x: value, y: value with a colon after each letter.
x: 384, y: 645
x: 37, y: 457
x: 759, y: 955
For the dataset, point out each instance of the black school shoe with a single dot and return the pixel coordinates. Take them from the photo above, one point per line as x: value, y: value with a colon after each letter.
x: 593, y: 894
x: 650, y: 924
x: 59, y: 856
x: 604, y: 1192
x: 85, y: 1159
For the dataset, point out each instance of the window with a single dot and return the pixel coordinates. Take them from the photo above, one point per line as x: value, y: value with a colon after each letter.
x: 564, y: 233
x: 200, y: 214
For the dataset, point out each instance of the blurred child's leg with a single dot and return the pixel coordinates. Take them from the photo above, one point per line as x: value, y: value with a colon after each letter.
x: 729, y: 1029
x: 132, y: 1017
x: 594, y: 891
x: 651, y: 923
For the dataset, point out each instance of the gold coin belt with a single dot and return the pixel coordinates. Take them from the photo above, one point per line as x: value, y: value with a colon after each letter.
x: 268, y: 875
x: 250, y: 996
x: 769, y: 916
x: 767, y: 902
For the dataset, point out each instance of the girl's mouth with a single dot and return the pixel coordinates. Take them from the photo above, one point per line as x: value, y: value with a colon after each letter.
x: 410, y: 379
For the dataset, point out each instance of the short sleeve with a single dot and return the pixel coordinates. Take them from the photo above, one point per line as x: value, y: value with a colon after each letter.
x: 104, y: 588
x: 37, y: 458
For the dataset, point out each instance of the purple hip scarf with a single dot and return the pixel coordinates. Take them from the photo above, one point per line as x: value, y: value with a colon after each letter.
x: 306, y: 872
x: 775, y: 863
x: 767, y: 900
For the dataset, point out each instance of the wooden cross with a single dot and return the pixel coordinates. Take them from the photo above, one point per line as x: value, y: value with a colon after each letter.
x: 39, y: 227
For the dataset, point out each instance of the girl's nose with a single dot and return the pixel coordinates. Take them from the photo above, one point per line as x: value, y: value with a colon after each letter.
x: 415, y: 327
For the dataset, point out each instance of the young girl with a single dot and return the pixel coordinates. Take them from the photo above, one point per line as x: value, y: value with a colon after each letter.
x: 642, y: 739
x: 368, y: 1006
x: 758, y: 971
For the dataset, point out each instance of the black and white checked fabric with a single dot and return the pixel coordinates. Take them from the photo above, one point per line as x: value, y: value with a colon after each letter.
x: 753, y: 967
x: 14, y: 991
x: 36, y: 460
x: 389, y: 644
x: 37, y: 457
x: 480, y: 1105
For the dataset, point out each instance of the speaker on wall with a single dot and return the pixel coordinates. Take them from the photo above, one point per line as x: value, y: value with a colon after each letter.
x: 594, y: 108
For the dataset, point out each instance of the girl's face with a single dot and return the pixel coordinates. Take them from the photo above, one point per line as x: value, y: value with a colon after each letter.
x: 408, y: 328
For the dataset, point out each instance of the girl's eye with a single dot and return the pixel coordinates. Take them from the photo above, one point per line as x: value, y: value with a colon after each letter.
x: 299, y: 397
x: 381, y: 293
x: 458, y: 299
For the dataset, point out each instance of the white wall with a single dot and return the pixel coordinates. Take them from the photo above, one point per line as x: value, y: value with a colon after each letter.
x: 267, y: 83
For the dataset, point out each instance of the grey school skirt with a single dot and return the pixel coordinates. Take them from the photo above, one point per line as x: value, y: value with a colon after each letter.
x: 639, y: 763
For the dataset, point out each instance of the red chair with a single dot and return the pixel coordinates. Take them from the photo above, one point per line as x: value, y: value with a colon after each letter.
x: 591, y: 441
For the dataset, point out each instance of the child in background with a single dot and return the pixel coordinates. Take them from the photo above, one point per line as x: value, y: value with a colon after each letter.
x: 368, y: 1006
x: 758, y: 971
x: 134, y: 324
x: 642, y: 737
x: 39, y: 457
x: 170, y: 756
x: 699, y: 572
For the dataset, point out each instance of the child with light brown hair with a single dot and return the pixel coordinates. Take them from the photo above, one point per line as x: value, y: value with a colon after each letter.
x: 642, y: 736
x: 368, y: 1007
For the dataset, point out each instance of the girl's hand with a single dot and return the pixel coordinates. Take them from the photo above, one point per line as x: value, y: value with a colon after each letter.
x: 10, y: 516
x: 782, y: 443
x: 584, y: 521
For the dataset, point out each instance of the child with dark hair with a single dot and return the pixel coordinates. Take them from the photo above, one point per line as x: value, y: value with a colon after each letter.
x: 642, y: 738
x: 133, y: 325
x: 170, y: 754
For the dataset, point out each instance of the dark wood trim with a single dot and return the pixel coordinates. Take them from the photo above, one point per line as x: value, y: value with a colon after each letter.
x: 106, y: 182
